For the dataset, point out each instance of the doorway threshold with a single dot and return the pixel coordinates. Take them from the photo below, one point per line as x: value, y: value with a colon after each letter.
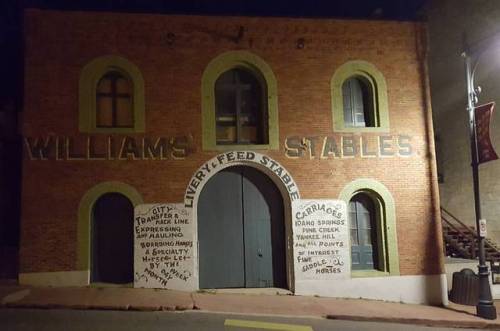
x: 245, y: 290
x: 113, y: 285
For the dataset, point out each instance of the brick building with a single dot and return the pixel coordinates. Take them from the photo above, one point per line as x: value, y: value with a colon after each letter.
x: 236, y: 121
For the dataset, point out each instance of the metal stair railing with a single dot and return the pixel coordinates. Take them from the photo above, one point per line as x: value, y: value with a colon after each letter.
x: 468, y: 232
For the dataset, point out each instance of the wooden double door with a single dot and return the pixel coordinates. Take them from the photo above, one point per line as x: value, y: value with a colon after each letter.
x: 241, y: 231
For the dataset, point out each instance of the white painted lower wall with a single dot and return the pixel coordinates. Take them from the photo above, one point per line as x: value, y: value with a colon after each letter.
x: 430, y: 289
x: 56, y: 279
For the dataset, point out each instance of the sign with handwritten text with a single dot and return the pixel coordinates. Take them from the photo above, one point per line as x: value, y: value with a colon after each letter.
x: 163, y: 247
x: 320, y: 240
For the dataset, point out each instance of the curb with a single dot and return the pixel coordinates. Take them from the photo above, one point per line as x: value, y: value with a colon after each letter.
x: 412, y: 321
x: 417, y: 321
x: 21, y: 299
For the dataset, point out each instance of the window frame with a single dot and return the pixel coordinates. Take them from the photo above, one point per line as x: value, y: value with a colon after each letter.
x: 261, y: 114
x: 113, y: 76
x: 385, y: 217
x: 375, y: 229
x: 216, y: 67
x: 90, y: 77
x: 367, y: 100
x: 85, y: 217
x: 376, y: 81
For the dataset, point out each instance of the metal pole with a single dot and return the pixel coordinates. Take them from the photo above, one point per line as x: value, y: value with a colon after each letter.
x: 485, y: 307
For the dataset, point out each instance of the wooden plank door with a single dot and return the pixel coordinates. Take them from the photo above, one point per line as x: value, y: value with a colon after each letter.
x: 112, y: 253
x: 220, y: 231
x: 241, y: 231
x: 264, y: 231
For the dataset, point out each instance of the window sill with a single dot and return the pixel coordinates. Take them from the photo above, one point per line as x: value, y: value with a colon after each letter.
x: 115, y: 130
x: 232, y: 147
x: 362, y: 129
x: 110, y: 285
x: 368, y: 273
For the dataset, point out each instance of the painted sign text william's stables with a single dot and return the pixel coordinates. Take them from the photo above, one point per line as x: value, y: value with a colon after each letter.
x: 128, y: 148
x: 348, y: 146
x: 108, y: 148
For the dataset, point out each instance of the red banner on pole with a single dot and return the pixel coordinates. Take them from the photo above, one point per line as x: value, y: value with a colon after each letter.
x: 485, y: 150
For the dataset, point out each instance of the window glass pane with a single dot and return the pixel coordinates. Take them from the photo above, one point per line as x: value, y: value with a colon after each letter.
x: 123, y: 86
x: 226, y: 79
x: 104, y: 85
x: 366, y: 237
x: 354, y: 237
x: 353, y: 222
x: 248, y: 134
x: 250, y: 103
x: 355, y: 258
x: 124, y: 116
x: 104, y: 112
x: 368, y: 260
x: 363, y: 233
x: 364, y: 217
x: 239, y: 106
x: 369, y: 111
x: 357, y: 94
x: 114, y: 90
x: 226, y: 134
x: 225, y: 103
x: 346, y: 94
x: 357, y: 102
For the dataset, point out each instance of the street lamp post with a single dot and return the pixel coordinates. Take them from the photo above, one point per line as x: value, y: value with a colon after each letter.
x: 485, y: 307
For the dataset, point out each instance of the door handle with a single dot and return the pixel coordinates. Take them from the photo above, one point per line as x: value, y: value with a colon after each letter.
x: 259, y: 252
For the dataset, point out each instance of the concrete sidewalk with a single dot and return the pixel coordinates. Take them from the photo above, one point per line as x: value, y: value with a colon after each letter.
x: 266, y: 304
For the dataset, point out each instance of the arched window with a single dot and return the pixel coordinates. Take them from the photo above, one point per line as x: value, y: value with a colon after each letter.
x: 240, y: 108
x: 111, y: 96
x: 372, y: 222
x: 363, y: 228
x: 359, y: 98
x: 114, y: 107
x: 357, y: 95
x: 239, y: 103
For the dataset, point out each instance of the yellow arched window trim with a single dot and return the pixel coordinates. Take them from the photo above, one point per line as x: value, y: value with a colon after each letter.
x: 379, y: 87
x: 90, y: 76
x: 221, y: 64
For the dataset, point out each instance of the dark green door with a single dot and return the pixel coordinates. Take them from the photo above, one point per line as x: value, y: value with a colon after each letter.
x: 363, y: 233
x: 112, y: 252
x: 241, y: 231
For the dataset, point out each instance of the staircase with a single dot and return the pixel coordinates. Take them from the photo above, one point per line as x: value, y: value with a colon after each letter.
x: 460, y: 240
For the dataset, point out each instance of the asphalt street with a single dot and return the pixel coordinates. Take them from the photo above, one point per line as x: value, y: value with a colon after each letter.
x: 96, y: 320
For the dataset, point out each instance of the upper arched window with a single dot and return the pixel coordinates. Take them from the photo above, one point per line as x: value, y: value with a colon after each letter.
x: 240, y: 108
x: 239, y: 103
x: 359, y: 98
x: 111, y: 96
x: 114, y: 107
x: 358, y: 103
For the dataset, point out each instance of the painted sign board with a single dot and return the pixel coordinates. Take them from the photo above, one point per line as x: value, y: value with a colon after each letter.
x: 320, y: 239
x: 164, y: 247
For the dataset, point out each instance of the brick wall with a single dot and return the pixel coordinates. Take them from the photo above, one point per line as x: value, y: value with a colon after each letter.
x: 59, y: 44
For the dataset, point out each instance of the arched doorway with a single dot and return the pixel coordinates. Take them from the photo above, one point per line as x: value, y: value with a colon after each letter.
x: 112, y: 252
x: 241, y: 231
